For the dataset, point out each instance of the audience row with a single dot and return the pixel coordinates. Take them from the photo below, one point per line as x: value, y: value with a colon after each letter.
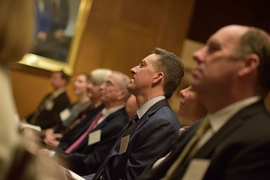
x: 101, y: 136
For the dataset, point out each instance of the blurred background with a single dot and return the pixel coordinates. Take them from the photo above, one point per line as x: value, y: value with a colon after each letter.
x: 120, y: 33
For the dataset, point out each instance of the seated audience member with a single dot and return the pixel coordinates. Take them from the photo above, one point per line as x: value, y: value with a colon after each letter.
x: 97, y: 77
x: 16, y: 162
x: 190, y: 108
x: 91, y: 147
x: 154, y: 129
x: 233, y: 141
x: 70, y: 114
x: 47, y: 114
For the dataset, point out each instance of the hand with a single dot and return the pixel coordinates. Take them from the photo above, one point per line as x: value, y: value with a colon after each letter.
x: 44, y: 152
x: 42, y: 36
x: 58, y: 33
x: 52, y: 143
x: 49, y: 136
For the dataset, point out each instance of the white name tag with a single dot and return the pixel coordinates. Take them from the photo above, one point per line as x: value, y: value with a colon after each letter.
x: 49, y: 105
x: 196, y: 169
x: 94, y: 137
x: 64, y: 114
x: 124, y: 144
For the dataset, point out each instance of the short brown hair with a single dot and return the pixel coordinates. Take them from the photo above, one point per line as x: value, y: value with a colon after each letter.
x: 173, y: 70
x: 64, y: 76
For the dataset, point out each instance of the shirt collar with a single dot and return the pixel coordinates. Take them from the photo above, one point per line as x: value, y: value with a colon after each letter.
x: 219, y: 118
x: 57, y: 92
x: 148, y: 104
x: 107, y: 112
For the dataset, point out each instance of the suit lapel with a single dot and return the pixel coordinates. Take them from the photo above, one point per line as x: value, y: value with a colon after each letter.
x: 161, y: 170
x: 99, y: 126
x: 207, y: 150
x: 148, y: 114
x: 137, y: 126
x: 232, y: 125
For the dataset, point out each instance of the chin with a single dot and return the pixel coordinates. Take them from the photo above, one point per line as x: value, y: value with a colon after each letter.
x: 129, y: 88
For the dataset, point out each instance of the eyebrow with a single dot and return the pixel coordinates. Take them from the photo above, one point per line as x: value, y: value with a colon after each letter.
x: 213, y: 42
x: 110, y: 82
x: 143, y: 61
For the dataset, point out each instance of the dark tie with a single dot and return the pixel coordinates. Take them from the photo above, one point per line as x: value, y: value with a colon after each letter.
x: 189, y: 149
x: 131, y: 123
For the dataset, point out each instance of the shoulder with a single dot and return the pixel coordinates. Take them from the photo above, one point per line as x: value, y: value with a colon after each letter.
x: 120, y: 116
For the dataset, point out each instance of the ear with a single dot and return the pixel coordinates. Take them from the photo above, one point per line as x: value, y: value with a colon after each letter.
x: 158, y: 77
x: 121, y: 95
x: 251, y: 63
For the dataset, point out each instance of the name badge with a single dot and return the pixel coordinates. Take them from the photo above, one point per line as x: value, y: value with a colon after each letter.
x: 196, y: 169
x: 124, y: 144
x: 49, y: 105
x: 94, y: 137
x: 64, y: 114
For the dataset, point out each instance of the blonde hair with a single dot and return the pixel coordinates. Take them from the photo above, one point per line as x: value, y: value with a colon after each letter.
x: 100, y: 75
x: 16, y: 28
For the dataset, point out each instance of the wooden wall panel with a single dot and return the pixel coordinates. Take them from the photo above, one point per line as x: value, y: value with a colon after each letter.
x: 28, y: 90
x: 118, y: 35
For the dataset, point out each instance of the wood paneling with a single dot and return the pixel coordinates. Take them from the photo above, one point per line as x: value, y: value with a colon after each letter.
x: 118, y: 35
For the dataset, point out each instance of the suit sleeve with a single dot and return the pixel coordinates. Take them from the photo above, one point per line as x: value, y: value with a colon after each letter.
x: 51, y: 117
x: 250, y: 163
x: 29, y: 117
x: 155, y: 141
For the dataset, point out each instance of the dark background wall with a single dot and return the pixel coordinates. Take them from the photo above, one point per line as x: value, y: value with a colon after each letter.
x: 210, y: 15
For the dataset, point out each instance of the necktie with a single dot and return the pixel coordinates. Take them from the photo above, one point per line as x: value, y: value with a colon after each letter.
x: 189, y: 149
x: 131, y: 123
x: 82, y: 137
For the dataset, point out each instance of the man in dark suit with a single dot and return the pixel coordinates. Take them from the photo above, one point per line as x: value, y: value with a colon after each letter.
x: 154, y: 129
x: 47, y: 113
x: 86, y: 155
x: 59, y: 18
x: 231, y: 79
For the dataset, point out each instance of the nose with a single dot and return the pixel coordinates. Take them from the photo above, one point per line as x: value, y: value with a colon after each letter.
x: 89, y: 85
x: 198, y: 55
x: 102, y: 86
x: 133, y: 70
x: 182, y: 93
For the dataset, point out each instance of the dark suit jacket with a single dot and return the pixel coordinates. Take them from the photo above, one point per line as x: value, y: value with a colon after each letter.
x: 86, y: 159
x: 152, y: 137
x: 239, y: 150
x: 76, y: 113
x: 72, y: 135
x: 48, y: 118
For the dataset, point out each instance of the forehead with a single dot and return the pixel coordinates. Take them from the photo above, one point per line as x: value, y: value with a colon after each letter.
x: 81, y: 77
x: 150, y: 59
x: 56, y: 74
x: 114, y: 78
x: 228, y: 36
